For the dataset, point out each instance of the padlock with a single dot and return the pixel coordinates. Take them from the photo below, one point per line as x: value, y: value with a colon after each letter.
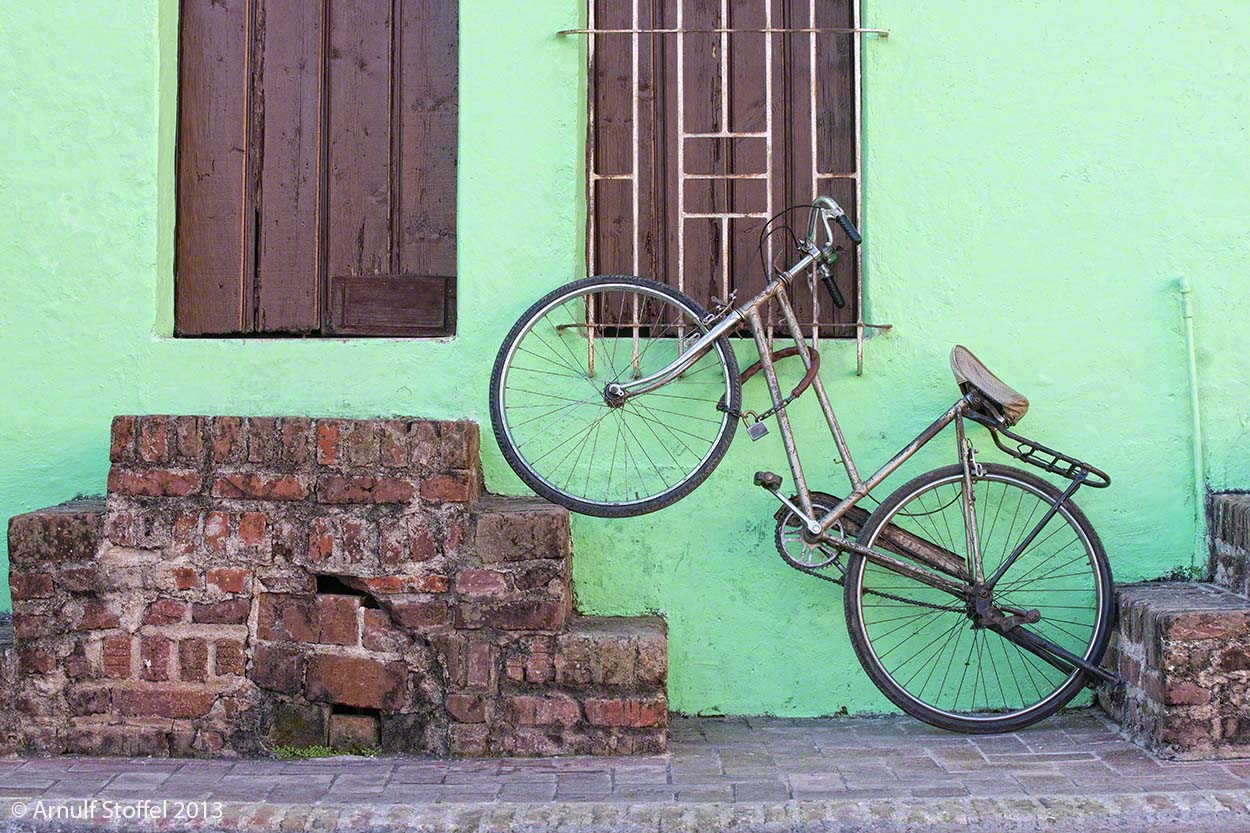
x: 756, y: 430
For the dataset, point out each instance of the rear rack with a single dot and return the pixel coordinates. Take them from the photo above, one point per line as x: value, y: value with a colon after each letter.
x: 1046, y: 459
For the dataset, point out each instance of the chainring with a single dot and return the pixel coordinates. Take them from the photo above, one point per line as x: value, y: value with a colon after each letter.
x: 796, y: 552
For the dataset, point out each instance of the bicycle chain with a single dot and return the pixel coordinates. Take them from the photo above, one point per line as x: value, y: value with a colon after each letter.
x: 841, y: 582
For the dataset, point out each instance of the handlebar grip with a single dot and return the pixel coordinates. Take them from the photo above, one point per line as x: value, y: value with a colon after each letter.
x: 826, y: 277
x: 851, y: 231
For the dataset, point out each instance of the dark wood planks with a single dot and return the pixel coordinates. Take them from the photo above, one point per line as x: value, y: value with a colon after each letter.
x: 210, y: 251
x: 317, y: 167
x: 288, y: 253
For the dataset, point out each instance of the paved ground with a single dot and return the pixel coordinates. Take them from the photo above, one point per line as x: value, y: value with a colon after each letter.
x: 6, y: 629
x: 1072, y: 773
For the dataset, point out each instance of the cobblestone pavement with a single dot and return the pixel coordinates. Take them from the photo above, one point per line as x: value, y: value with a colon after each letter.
x: 1074, y: 772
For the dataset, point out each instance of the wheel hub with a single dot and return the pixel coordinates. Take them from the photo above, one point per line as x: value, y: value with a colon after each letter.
x: 614, y: 395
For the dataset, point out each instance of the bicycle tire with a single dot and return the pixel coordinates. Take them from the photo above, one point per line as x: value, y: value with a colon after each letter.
x: 576, y: 503
x: 945, y: 719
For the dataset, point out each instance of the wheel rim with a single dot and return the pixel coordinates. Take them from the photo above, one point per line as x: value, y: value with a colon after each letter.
x: 933, y: 657
x: 555, y: 416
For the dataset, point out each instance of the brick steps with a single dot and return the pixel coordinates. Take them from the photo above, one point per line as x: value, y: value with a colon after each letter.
x: 253, y: 582
x: 1183, y: 651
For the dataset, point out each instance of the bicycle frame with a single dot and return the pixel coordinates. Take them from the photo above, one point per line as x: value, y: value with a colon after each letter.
x: 749, y: 313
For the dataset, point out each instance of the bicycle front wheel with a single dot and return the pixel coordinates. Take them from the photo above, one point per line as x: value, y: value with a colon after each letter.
x: 572, y: 443
x: 921, y: 646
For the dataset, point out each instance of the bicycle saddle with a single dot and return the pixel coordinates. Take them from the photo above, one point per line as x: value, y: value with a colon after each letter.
x: 971, y: 374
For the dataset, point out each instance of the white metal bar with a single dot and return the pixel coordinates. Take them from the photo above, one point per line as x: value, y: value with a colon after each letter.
x: 726, y: 134
x: 724, y: 126
x: 728, y: 215
x: 611, y: 176
x: 637, y: 236
x: 593, y: 152
x: 811, y: 69
x: 679, y: 30
x: 681, y: 151
x: 726, y: 176
x: 859, y: 195
x: 768, y: 144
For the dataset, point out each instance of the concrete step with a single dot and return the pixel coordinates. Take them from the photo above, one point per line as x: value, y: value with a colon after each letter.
x: 1183, y: 651
x: 1229, y: 526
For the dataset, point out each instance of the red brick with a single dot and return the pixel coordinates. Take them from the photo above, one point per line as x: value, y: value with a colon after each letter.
x: 378, y: 633
x: 448, y: 488
x: 621, y: 711
x: 185, y: 534
x: 154, y: 439
x: 321, y: 539
x: 352, y: 681
x: 216, y: 532
x: 278, y: 668
x: 120, y: 529
x: 466, y: 708
x: 480, y: 665
x: 1185, y: 694
x: 407, y: 540
x: 185, y: 578
x: 227, y: 580
x: 481, y: 584
x: 189, y: 437
x: 193, y: 660
x: 336, y: 619
x: 286, y: 618
x: 528, y: 616
x: 423, y: 614
x: 359, y: 539
x: 154, y: 482
x: 544, y: 711
x: 226, y: 435
x: 233, y: 612
x: 23, y: 586
x: 393, y: 447
x: 122, y: 447
x: 116, y: 651
x: 422, y: 583
x: 351, y: 732
x: 231, y: 660
x: 361, y: 442
x: 262, y: 441
x: 175, y: 702
x: 164, y: 612
x: 96, y: 616
x: 295, y: 440
x: 31, y: 625
x: 364, y: 490
x: 78, y: 579
x: 35, y: 660
x: 154, y: 654
x: 252, y: 528
x: 1192, y: 626
x: 443, y: 446
x: 247, y: 485
x: 328, y: 434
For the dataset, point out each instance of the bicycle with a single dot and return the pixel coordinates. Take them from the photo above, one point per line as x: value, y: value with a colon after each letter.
x: 977, y: 596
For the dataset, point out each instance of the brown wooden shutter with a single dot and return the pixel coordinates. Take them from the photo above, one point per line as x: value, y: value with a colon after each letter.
x: 337, y: 213
x: 722, y: 137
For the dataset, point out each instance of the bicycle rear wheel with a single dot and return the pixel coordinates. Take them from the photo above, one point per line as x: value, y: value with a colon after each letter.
x: 557, y: 428
x: 919, y: 645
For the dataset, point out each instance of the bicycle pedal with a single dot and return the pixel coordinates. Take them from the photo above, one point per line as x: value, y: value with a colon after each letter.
x: 756, y: 430
x: 769, y: 480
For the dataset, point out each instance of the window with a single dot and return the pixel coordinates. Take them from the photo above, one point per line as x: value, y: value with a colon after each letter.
x: 317, y: 168
x: 696, y: 139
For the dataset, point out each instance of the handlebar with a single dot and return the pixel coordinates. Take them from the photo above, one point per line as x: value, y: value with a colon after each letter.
x: 826, y: 208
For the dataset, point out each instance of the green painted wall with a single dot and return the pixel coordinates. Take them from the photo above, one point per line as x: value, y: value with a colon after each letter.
x: 1038, y: 175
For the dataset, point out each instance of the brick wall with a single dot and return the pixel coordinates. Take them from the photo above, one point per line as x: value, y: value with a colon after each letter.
x: 253, y: 582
